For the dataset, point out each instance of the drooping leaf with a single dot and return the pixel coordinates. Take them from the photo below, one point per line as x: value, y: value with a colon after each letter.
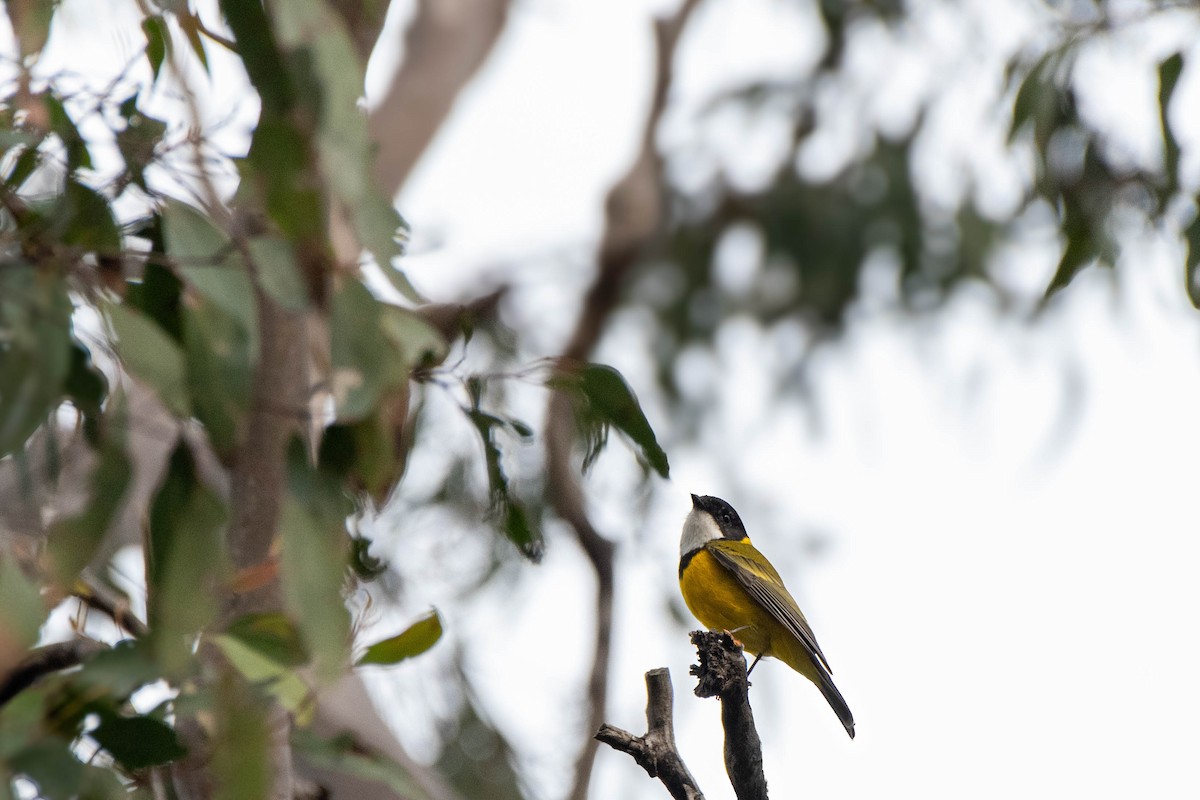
x: 72, y: 541
x: 241, y: 749
x: 268, y: 674
x: 208, y: 260
x: 220, y: 358
x: 603, y: 400
x: 414, y: 640
x: 151, y: 356
x: 157, y: 41
x: 419, y: 343
x: 277, y: 272
x: 158, y: 296
x: 344, y: 755
x: 189, y: 23
x: 1168, y: 76
x: 118, y: 672
x: 49, y: 763
x: 506, y: 509
x: 85, y: 385
x: 137, y: 742
x: 35, y: 350
x: 185, y: 562
x: 63, y: 126
x: 314, y: 542
x: 364, y: 361
x: 1192, y: 275
x: 138, y: 141
x: 260, y: 55
x: 22, y: 615
x: 274, y: 635
x: 87, y: 220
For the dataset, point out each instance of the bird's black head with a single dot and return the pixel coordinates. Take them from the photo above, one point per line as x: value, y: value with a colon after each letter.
x: 726, y: 518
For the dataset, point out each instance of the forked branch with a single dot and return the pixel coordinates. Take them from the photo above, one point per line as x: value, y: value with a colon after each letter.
x: 656, y: 752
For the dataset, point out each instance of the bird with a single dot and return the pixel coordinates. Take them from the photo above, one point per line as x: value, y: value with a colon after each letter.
x: 730, y: 586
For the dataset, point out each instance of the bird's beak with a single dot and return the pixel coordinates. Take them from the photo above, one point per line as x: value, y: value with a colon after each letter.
x: 695, y: 501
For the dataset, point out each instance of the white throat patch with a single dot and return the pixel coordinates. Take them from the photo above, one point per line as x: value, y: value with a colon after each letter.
x: 698, y: 528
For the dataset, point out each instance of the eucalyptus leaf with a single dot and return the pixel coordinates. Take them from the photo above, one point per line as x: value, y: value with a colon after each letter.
x: 314, y: 560
x: 208, y: 260
x: 137, y: 742
x: 151, y: 356
x: 1168, y: 77
x: 277, y: 271
x: 275, y: 677
x: 604, y: 399
x: 414, y: 640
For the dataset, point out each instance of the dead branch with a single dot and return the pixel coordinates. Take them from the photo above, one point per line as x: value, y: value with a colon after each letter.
x: 656, y: 751
x: 633, y: 212
x: 444, y: 46
x: 722, y: 674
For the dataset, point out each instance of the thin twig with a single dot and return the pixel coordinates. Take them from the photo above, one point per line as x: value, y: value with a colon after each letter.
x: 43, y: 661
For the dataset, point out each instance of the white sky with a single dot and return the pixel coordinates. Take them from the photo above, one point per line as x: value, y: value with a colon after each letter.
x: 991, y: 526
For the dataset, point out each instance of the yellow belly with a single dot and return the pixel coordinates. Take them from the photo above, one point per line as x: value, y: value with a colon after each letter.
x: 720, y: 603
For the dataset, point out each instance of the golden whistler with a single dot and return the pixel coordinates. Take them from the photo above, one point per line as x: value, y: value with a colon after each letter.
x: 731, y: 586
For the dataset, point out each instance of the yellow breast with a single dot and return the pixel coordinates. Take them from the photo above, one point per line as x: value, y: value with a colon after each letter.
x: 720, y: 603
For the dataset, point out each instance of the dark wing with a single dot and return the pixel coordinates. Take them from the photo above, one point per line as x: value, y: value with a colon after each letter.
x: 762, y: 582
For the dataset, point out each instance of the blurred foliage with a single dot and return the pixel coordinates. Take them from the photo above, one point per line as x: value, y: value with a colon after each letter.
x: 128, y: 267
x: 819, y: 236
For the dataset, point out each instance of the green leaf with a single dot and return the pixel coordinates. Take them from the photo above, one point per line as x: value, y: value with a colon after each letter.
x: 1168, y: 77
x: 73, y: 541
x: 419, y: 343
x: 260, y: 55
x: 262, y: 670
x: 207, y: 259
x: 157, y: 41
x: 316, y: 36
x: 277, y: 272
x: 185, y: 562
x: 87, y: 221
x: 505, y: 508
x: 241, y: 745
x: 273, y: 635
x: 364, y: 362
x: 137, y: 742
x: 22, y: 613
x: 189, y: 23
x: 85, y: 385
x: 158, y: 295
x: 220, y: 359
x: 23, y: 167
x: 344, y: 755
x: 151, y: 356
x: 416, y: 639
x: 138, y: 141
x: 118, y: 672
x: 49, y: 763
x: 314, y: 560
x: 607, y: 400
x: 1192, y: 236
x: 35, y: 350
x: 64, y: 127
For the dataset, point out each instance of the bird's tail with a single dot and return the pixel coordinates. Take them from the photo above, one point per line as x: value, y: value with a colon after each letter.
x: 838, y: 703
